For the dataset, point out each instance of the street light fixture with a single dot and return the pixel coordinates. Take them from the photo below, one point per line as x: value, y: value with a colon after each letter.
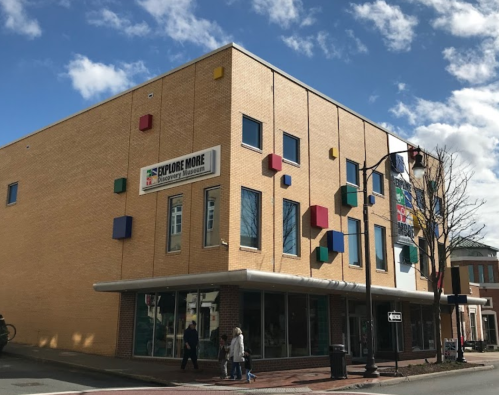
x: 418, y: 169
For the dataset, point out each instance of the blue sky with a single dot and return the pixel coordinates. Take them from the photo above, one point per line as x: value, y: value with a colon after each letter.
x: 425, y: 69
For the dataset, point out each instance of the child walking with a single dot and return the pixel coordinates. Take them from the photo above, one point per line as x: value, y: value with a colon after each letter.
x: 248, y: 366
x: 223, y: 356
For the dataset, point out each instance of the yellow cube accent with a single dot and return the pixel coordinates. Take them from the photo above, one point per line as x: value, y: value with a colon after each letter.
x: 418, y: 219
x: 334, y: 153
x: 218, y: 73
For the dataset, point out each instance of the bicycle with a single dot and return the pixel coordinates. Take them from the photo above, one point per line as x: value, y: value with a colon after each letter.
x: 10, y: 333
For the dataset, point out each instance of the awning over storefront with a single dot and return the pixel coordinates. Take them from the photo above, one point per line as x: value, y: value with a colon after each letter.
x: 257, y: 279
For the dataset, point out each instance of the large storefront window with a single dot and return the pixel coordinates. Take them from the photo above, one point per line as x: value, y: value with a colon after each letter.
x: 319, y: 325
x: 489, y: 328
x: 209, y: 334
x: 386, y: 331
x: 251, y: 321
x: 298, y: 325
x: 144, y: 324
x: 423, y: 328
x: 275, y: 325
x: 165, y: 325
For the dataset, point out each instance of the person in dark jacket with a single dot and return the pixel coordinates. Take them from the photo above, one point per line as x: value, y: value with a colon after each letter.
x: 191, y: 340
x: 248, y: 366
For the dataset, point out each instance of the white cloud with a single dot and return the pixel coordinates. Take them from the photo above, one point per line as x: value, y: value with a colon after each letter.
x: 401, y: 86
x: 91, y: 79
x: 328, y: 46
x: 372, y: 99
x: 108, y: 18
x: 467, y: 123
x: 396, y: 28
x: 299, y: 44
x: 310, y: 19
x: 359, y: 45
x: 177, y: 20
x: 280, y: 12
x: 17, y: 20
x: 469, y: 20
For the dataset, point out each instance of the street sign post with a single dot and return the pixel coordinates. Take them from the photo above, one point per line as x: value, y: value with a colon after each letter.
x: 395, y: 317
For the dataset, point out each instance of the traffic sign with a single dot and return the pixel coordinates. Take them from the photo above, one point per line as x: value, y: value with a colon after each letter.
x: 461, y: 299
x: 394, y: 316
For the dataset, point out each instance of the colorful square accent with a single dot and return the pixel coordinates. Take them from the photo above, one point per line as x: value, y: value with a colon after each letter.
x: 319, y: 217
x: 321, y: 254
x: 349, y: 196
x: 275, y: 162
x: 372, y: 199
x: 120, y: 185
x: 410, y: 254
x: 145, y: 122
x: 122, y: 227
x: 335, y: 241
x: 286, y: 180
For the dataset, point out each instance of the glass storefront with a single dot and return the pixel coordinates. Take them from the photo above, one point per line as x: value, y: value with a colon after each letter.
x: 423, y: 327
x: 161, y: 319
x: 293, y: 325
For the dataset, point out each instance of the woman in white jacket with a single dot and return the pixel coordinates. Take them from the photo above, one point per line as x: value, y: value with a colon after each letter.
x: 236, y: 354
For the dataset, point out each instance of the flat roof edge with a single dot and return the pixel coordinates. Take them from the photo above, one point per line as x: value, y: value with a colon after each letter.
x: 230, y: 45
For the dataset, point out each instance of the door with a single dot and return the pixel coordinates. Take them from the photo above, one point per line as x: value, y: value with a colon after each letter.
x: 358, y: 336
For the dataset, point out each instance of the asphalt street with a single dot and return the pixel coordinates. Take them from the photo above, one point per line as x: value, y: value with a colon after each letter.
x: 480, y: 383
x: 21, y: 376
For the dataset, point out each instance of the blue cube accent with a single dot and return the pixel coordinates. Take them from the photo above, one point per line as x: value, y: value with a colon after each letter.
x: 286, y: 180
x: 372, y: 199
x: 335, y: 241
x: 122, y: 227
x: 397, y: 163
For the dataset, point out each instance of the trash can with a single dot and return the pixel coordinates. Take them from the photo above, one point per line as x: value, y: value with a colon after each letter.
x: 480, y: 346
x: 338, y: 361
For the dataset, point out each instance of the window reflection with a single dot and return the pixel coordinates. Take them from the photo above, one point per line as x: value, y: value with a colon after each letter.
x: 251, y: 321
x: 212, y: 220
x: 175, y: 228
x: 186, y: 312
x: 165, y: 328
x: 144, y: 324
x: 208, y: 324
x: 319, y: 326
x: 298, y: 325
x: 275, y: 326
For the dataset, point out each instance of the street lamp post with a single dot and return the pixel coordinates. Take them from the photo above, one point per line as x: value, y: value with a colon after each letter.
x: 371, y: 370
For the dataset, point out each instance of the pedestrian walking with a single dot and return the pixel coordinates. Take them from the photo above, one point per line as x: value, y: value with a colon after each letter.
x: 191, y: 340
x: 248, y: 366
x: 236, y: 354
x: 223, y: 356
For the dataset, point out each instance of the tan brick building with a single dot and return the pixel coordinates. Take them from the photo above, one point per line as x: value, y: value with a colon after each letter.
x: 221, y: 192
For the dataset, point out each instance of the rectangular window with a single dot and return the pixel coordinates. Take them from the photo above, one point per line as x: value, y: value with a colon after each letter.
x: 473, y: 326
x: 352, y: 172
x: 423, y: 258
x: 380, y: 242
x: 481, y: 278
x: 208, y: 321
x: 12, y: 193
x: 290, y: 227
x: 420, y: 202
x: 490, y: 269
x: 251, y: 321
x: 378, y: 185
x: 291, y: 148
x: 212, y: 217
x: 438, y: 206
x: 175, y: 228
x: 423, y: 328
x: 252, y: 133
x: 489, y: 329
x: 275, y: 325
x: 319, y: 327
x: 298, y: 325
x: 354, y: 242
x: 250, y: 218
x: 471, y: 273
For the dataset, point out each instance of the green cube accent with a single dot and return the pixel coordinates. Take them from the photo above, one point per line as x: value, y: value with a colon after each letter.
x: 321, y: 254
x: 120, y: 185
x: 432, y: 186
x: 349, y: 196
x: 410, y: 254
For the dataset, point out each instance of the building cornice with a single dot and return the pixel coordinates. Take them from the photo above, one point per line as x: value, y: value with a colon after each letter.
x: 477, y: 259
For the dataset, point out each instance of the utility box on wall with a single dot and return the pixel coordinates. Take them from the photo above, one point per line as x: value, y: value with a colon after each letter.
x: 122, y: 227
x: 319, y: 217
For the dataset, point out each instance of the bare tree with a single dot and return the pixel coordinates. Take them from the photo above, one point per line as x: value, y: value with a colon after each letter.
x: 444, y: 212
x: 250, y: 218
x: 289, y: 228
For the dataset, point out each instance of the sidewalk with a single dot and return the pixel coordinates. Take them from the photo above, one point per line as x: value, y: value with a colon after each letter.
x: 300, y: 380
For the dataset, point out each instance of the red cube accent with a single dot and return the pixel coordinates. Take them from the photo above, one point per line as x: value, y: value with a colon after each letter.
x: 319, y: 217
x: 145, y: 122
x: 275, y: 162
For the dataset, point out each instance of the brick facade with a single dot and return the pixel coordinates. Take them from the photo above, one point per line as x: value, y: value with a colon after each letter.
x: 126, y: 320
x: 71, y: 223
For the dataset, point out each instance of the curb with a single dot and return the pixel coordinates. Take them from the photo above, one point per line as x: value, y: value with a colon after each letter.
x: 147, y: 379
x: 419, y: 377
